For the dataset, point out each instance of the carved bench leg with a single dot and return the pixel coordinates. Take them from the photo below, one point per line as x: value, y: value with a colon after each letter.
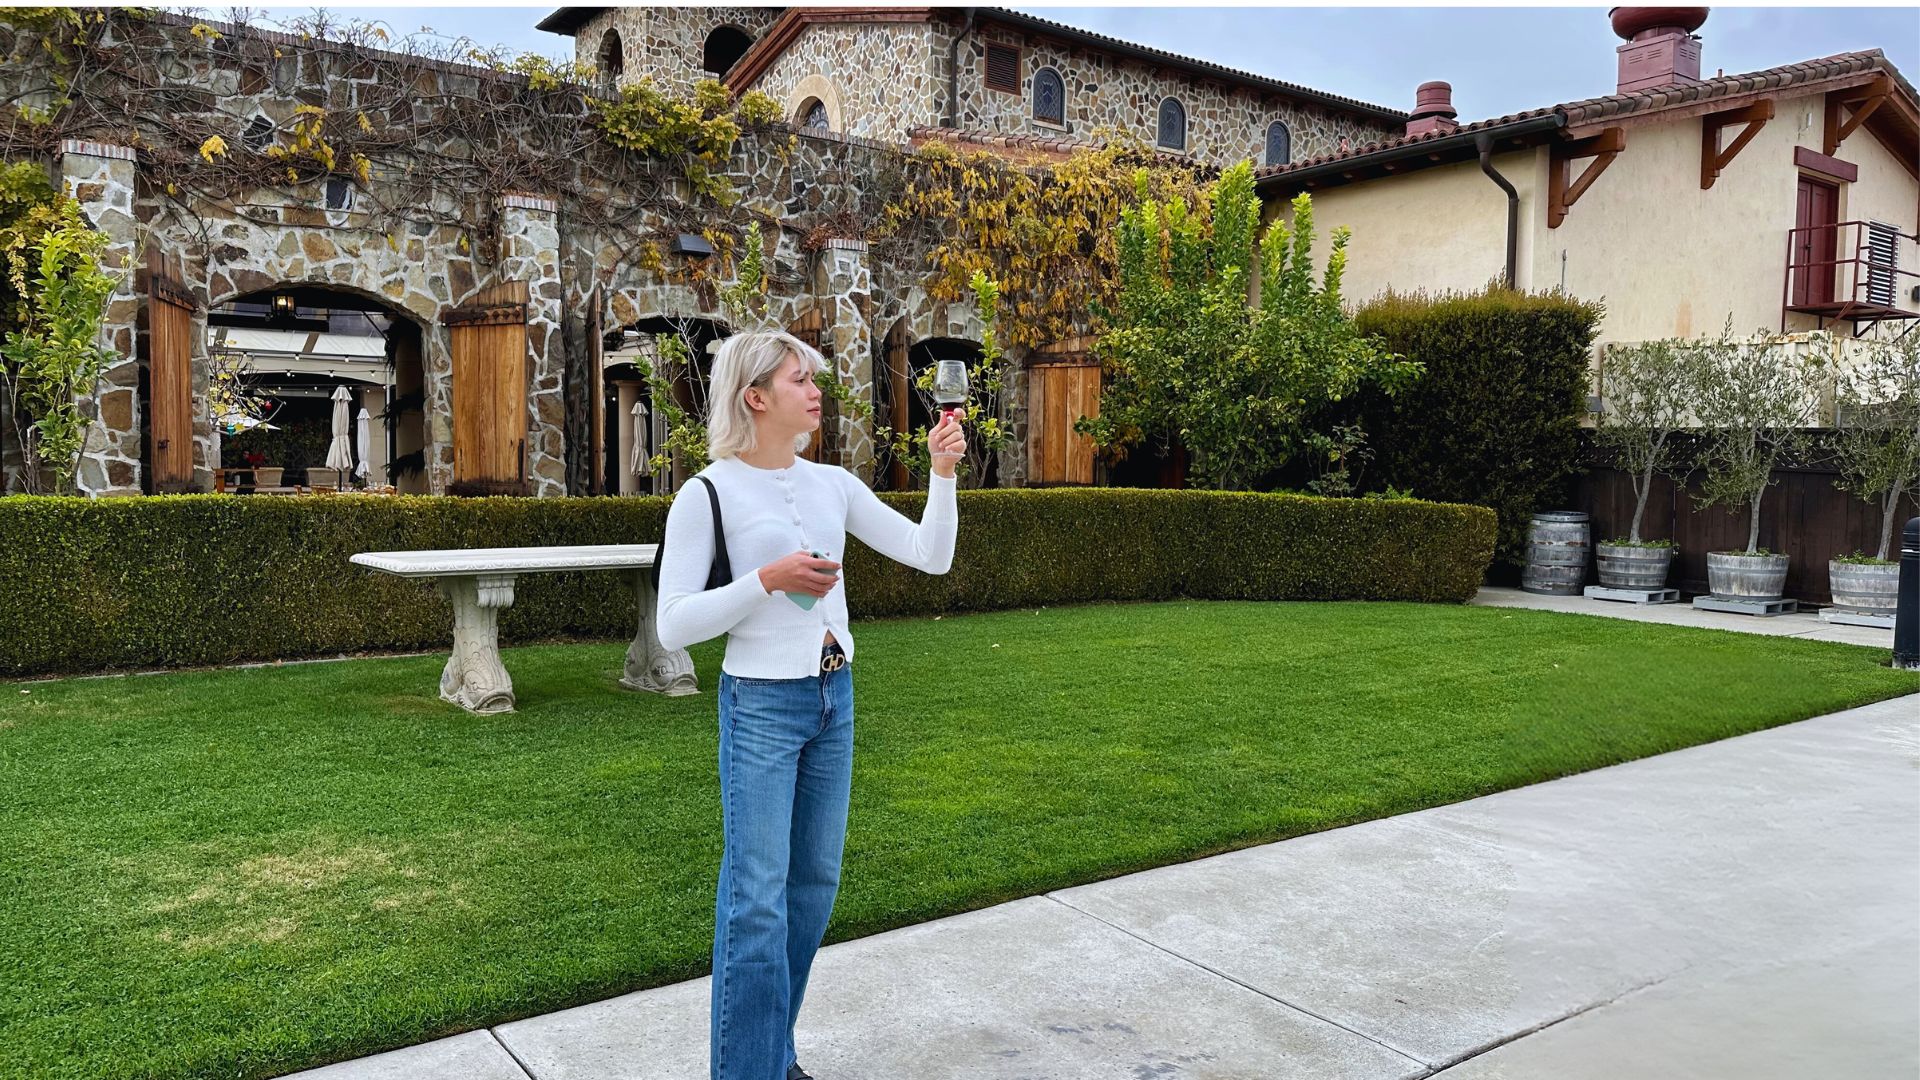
x: 474, y: 677
x: 649, y: 665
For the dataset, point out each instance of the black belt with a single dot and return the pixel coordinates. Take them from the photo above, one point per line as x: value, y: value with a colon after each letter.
x: 832, y: 657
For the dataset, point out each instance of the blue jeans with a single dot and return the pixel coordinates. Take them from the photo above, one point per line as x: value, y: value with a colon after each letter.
x: 786, y: 771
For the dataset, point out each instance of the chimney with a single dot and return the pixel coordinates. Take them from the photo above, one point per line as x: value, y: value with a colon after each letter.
x: 1660, y: 49
x: 1432, y: 110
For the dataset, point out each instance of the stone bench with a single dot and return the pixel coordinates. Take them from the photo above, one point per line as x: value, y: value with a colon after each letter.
x: 479, y: 584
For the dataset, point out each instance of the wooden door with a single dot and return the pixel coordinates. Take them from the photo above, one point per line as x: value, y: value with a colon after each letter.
x: 170, y: 380
x: 1057, y: 395
x: 1815, y: 219
x: 899, y: 396
x: 812, y: 328
x: 490, y: 392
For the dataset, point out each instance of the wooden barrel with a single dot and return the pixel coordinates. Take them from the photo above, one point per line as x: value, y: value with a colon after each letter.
x: 1873, y: 588
x: 1557, y: 548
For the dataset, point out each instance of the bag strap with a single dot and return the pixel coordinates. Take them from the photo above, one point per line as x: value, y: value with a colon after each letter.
x: 722, y: 572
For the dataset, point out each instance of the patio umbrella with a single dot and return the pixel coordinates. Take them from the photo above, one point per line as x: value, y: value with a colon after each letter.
x: 340, y: 451
x: 638, y: 466
x: 366, y: 440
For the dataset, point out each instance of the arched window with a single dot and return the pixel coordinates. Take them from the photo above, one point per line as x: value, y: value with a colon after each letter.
x: 1279, y: 144
x: 725, y: 46
x: 612, y: 59
x: 339, y: 193
x: 1172, y: 133
x: 259, y: 135
x: 813, y: 116
x: 1049, y: 97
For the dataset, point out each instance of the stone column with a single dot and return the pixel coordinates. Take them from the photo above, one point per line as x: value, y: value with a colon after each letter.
x: 846, y: 296
x: 100, y: 177
x: 530, y: 252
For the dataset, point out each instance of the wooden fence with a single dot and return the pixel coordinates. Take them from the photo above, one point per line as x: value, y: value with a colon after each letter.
x: 1803, y: 514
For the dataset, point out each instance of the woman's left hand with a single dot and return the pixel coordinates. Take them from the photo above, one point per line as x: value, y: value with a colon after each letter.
x: 947, y: 442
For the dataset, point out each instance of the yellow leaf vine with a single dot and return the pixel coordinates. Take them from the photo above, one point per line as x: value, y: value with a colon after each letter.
x: 1045, y: 232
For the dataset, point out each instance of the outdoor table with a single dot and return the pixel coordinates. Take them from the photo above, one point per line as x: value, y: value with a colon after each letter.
x: 479, y: 583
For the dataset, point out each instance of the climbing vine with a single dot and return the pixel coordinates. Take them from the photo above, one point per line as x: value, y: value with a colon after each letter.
x: 1044, y: 232
x: 402, y: 118
x: 51, y: 352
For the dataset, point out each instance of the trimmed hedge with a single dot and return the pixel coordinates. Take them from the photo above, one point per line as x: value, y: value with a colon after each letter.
x: 200, y: 579
x: 1496, y: 419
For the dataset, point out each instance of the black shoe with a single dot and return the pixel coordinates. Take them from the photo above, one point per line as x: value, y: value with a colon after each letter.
x: 795, y: 1072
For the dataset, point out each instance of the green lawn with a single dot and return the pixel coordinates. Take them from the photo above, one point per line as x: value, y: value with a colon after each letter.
x: 242, y: 873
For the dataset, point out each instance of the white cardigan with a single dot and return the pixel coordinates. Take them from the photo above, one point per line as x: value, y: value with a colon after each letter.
x: 768, y: 514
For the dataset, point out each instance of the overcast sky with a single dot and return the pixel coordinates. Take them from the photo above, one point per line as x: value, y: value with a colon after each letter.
x: 1499, y: 60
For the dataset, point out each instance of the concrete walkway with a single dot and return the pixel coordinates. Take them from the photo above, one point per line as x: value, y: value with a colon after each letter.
x: 1804, y: 624
x: 1748, y: 908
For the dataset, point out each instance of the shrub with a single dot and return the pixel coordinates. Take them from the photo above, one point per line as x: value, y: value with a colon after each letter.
x: 200, y: 579
x: 1495, y: 419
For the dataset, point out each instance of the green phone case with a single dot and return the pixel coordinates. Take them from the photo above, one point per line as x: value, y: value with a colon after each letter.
x: 805, y: 600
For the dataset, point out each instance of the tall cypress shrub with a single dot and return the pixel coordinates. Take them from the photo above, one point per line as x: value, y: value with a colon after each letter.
x: 1495, y: 421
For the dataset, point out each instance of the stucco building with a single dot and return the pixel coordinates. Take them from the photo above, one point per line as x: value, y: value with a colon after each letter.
x: 1784, y: 199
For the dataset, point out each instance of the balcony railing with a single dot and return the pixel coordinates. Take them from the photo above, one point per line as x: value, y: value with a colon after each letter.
x: 1851, y: 270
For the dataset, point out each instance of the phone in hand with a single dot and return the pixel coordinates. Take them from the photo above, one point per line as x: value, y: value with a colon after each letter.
x: 806, y: 600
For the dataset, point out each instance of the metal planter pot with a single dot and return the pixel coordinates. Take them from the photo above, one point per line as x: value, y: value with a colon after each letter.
x: 1623, y: 567
x: 1557, y: 546
x: 1870, y: 587
x: 1746, y: 577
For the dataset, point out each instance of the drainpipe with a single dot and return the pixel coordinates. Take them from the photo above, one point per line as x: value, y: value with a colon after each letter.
x: 953, y: 71
x: 1484, y: 142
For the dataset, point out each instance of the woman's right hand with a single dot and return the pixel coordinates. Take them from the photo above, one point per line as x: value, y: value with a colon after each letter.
x: 800, y: 573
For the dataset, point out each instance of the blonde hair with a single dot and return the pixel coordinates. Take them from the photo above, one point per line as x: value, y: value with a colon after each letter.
x: 745, y: 360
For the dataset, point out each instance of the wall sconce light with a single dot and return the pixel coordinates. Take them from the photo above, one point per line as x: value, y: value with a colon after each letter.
x: 690, y: 244
x: 283, y: 305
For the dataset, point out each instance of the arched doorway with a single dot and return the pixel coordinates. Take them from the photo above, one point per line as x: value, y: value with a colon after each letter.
x: 635, y: 436
x: 276, y: 359
x: 923, y: 355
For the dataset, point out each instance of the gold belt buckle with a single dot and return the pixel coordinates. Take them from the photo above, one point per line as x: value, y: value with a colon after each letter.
x: 833, y: 661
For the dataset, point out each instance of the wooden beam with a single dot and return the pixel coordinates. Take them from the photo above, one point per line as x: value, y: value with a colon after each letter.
x: 1864, y: 101
x: 1712, y: 158
x: 1561, y: 195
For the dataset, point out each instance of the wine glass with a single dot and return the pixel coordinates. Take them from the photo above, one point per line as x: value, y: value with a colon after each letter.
x: 950, y: 388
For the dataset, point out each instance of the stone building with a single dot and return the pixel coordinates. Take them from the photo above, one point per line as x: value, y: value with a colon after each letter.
x: 895, y: 74
x: 491, y: 283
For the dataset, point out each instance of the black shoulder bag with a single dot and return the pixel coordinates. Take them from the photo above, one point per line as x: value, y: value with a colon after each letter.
x: 721, y: 572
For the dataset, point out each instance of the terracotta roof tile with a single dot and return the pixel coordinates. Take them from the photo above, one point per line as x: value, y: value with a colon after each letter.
x: 1589, y: 110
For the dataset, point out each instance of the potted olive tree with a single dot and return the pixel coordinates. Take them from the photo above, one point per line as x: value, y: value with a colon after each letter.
x: 1643, y: 402
x: 1877, y: 447
x: 1755, y: 398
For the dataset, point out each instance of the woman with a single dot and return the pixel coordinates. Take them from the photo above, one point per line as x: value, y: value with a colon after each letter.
x: 786, y: 685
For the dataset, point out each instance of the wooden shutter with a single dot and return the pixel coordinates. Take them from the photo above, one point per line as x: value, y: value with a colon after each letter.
x: 811, y: 328
x: 899, y: 396
x: 169, y: 379
x: 1003, y: 68
x: 1057, y: 395
x: 490, y: 392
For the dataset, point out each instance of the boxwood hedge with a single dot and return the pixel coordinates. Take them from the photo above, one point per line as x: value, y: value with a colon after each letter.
x: 89, y: 585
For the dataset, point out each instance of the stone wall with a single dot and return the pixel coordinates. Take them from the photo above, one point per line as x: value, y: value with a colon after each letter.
x: 424, y: 248
x: 1225, y: 123
x: 666, y: 43
x: 101, y: 178
x: 876, y: 79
